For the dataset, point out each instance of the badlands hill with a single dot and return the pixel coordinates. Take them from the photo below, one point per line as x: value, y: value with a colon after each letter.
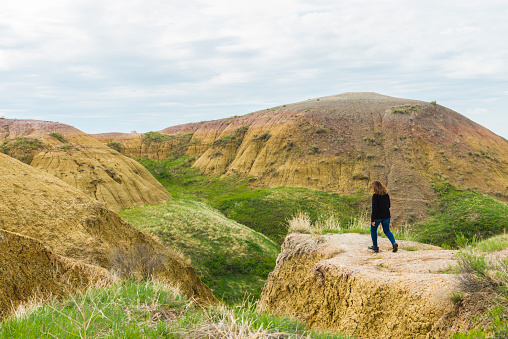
x: 335, y: 282
x: 48, y: 226
x: 340, y: 144
x: 81, y: 161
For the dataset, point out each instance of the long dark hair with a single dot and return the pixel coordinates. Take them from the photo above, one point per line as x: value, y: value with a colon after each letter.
x: 379, y: 188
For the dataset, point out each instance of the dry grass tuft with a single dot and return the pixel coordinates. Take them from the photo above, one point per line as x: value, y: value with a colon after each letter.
x: 301, y: 223
x: 139, y: 262
x: 479, y: 273
x: 224, y: 322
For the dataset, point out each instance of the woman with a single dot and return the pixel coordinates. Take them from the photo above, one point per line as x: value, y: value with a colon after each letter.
x: 380, y: 214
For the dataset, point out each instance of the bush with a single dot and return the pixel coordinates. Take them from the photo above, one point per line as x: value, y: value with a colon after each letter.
x: 262, y: 137
x: 138, y: 263
x: 59, y: 137
x: 405, y: 109
x: 115, y: 145
x: 22, y: 148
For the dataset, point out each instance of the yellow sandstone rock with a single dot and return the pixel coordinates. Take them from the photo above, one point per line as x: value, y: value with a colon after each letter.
x: 29, y: 270
x: 83, y: 162
x: 335, y: 282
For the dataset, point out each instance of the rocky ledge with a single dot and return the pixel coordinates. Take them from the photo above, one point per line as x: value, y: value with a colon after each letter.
x: 336, y: 282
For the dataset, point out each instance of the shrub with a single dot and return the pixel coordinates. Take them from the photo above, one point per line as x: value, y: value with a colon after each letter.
x: 115, y: 145
x: 21, y: 143
x: 59, y: 137
x: 223, y: 140
x: 313, y: 150
x: 65, y: 146
x: 405, y: 109
x: 22, y: 148
x: 138, y: 263
x: 433, y: 102
x: 262, y: 137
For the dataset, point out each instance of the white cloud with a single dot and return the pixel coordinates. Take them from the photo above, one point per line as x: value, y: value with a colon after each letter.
x: 119, y: 57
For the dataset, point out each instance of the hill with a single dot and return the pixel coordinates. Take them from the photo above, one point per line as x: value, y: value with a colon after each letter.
x: 340, y: 144
x: 70, y: 224
x: 232, y: 259
x: 80, y: 160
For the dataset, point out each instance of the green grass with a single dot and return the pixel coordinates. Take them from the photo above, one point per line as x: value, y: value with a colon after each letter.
x: 232, y: 259
x: 459, y: 211
x: 264, y: 210
x: 185, y: 182
x: 145, y: 310
x: 268, y: 210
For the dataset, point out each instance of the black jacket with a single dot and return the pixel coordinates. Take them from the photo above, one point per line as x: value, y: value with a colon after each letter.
x: 380, y: 207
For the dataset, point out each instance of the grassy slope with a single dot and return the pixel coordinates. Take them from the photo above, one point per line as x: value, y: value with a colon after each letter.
x: 458, y: 211
x: 146, y: 310
x: 264, y: 210
x: 230, y: 258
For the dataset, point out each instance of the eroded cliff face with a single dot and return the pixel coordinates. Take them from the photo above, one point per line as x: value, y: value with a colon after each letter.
x: 335, y: 282
x: 68, y: 223
x: 83, y: 162
x: 341, y: 144
x: 29, y: 269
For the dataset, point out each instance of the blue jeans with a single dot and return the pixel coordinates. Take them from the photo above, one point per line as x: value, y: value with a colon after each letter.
x: 386, y: 229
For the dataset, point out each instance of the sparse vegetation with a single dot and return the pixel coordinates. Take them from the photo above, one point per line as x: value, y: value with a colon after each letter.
x: 406, y: 109
x: 262, y: 137
x: 23, y: 144
x: 139, y: 262
x: 155, y: 137
x: 302, y: 223
x: 59, y: 137
x: 236, y: 137
x: 313, y: 150
x: 486, y: 275
x: 321, y: 130
x: 65, y: 147
x: 115, y: 145
x: 22, y: 148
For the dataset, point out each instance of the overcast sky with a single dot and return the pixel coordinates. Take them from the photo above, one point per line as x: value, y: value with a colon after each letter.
x: 145, y: 65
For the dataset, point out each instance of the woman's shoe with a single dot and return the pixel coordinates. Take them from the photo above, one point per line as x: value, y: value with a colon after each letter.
x: 375, y: 249
x: 395, y: 247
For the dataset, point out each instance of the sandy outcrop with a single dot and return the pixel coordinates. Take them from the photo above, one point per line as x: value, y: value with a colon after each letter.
x: 82, y: 161
x: 36, y: 204
x: 30, y: 270
x: 335, y: 282
x: 341, y: 144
